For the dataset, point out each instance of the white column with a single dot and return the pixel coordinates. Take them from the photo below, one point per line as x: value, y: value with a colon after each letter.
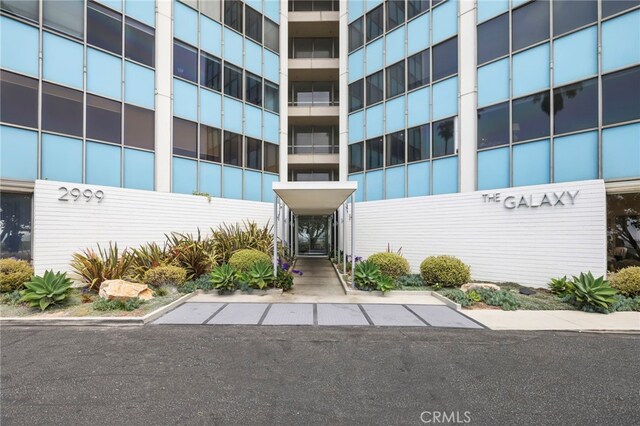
x: 164, y: 73
x: 284, y: 90
x: 344, y: 237
x: 353, y: 244
x: 468, y: 93
x: 275, y: 235
x: 344, y: 92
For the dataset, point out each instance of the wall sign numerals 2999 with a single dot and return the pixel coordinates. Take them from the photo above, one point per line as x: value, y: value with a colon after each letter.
x: 76, y: 194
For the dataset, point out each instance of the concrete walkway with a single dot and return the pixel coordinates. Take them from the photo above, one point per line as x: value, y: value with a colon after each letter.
x: 318, y: 278
x: 334, y: 314
x: 556, y: 320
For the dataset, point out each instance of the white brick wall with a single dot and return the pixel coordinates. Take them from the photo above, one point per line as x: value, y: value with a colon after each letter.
x: 126, y: 216
x: 527, y: 246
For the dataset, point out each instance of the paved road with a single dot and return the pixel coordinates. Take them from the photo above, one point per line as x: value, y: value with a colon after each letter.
x: 315, y: 375
x: 334, y: 314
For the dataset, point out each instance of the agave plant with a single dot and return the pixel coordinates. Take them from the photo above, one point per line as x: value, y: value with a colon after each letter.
x: 559, y: 286
x: 50, y: 289
x: 224, y: 278
x: 147, y: 256
x: 367, y: 275
x: 587, y: 291
x: 105, y: 264
x: 195, y: 255
x: 385, y: 284
x: 259, y: 275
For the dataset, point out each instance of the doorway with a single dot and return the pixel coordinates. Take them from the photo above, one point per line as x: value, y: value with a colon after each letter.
x: 313, y: 235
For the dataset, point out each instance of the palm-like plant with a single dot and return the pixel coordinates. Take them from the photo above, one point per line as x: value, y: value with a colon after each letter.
x: 195, y: 254
x: 147, y: 256
x: 224, y: 278
x: 592, y: 292
x: 50, y: 289
x: 259, y: 275
x: 105, y: 264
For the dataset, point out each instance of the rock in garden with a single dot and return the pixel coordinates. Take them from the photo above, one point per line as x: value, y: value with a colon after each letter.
x: 478, y: 286
x: 124, y: 290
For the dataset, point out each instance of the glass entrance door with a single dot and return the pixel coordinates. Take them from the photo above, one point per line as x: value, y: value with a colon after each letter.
x: 313, y: 236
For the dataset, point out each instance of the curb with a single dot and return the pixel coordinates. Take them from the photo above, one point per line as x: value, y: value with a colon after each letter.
x: 349, y: 291
x: 96, y: 321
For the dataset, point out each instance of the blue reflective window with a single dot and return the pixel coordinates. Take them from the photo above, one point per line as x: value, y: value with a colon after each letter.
x: 139, y: 87
x: 418, y: 178
x: 61, y: 158
x: 621, y: 152
x: 445, y: 175
x: 185, y: 174
x: 103, y: 164
x: 531, y: 163
x: 62, y: 60
x: 104, y: 74
x: 575, y: 56
x: 621, y: 41
x: 493, y: 169
x: 575, y: 157
x: 19, y: 45
x: 138, y: 169
x: 18, y: 153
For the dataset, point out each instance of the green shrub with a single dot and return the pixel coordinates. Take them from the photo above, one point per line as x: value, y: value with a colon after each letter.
x: 284, y: 280
x: 105, y: 264
x: 13, y: 274
x: 228, y: 239
x: 591, y: 294
x: 447, y: 271
x: 367, y: 276
x: 146, y: 257
x: 102, y: 304
x: 12, y: 298
x: 391, y: 264
x: 243, y: 259
x: 503, y: 298
x: 625, y: 304
x: 457, y: 296
x: 559, y: 286
x: 224, y: 278
x: 165, y: 275
x: 626, y: 263
x: 259, y: 275
x: 50, y: 289
x: 413, y: 280
x: 202, y: 283
x: 627, y: 281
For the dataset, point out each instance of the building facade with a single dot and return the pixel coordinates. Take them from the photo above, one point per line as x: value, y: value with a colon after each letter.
x: 411, y: 99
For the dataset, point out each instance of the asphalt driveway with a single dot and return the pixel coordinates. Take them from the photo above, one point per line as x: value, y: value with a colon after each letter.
x: 315, y: 375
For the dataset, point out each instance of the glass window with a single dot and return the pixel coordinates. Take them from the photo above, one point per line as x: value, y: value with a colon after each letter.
x: 418, y: 70
x: 104, y: 28
x: 232, y: 149
x: 493, y: 126
x: 25, y: 8
x: 375, y: 153
x: 444, y: 138
x: 64, y: 15
x: 271, y: 155
x: 620, y: 96
x: 254, y: 154
x: 530, y: 117
x: 570, y: 14
x: 302, y: 93
x: 416, y: 7
x: 19, y: 100
x: 575, y: 107
x: 233, y: 14
x: 530, y: 24
x: 356, y: 34
x: 271, y: 97
x: 211, y: 8
x: 325, y: 48
x: 356, y: 159
x: 185, y: 61
x: 271, y: 35
x: 395, y: 13
x: 61, y: 109
x: 323, y: 93
x: 254, y: 89
x: 140, y: 43
x: 445, y: 59
x: 103, y: 119
x: 15, y: 225
x: 210, y: 72
x: 356, y: 95
x: 418, y: 143
x: 301, y: 48
x: 493, y: 38
x: 395, y: 148
x: 301, y: 139
x: 210, y: 144
x: 253, y: 24
x: 232, y: 81
x: 611, y: 7
x: 395, y: 79
x: 623, y: 230
x: 375, y: 24
x: 375, y: 88
x: 185, y: 137
x: 192, y: 3
x: 139, y: 127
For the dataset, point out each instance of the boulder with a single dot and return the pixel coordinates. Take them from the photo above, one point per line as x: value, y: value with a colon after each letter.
x: 477, y: 286
x: 124, y: 290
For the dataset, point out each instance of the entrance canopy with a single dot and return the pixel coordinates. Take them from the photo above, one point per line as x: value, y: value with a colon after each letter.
x: 314, y: 198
